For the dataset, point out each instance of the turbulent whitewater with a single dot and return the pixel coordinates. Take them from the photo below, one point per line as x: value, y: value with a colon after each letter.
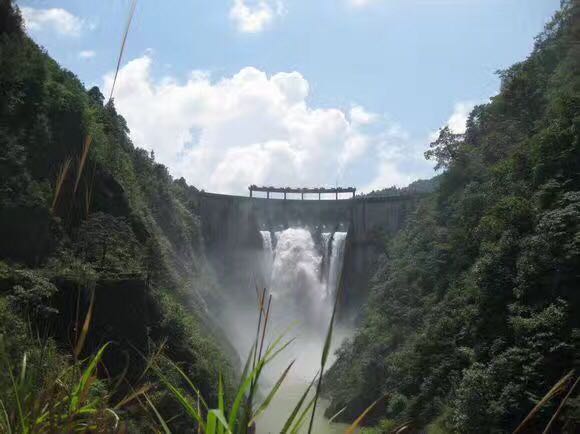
x: 303, y: 276
x: 303, y: 269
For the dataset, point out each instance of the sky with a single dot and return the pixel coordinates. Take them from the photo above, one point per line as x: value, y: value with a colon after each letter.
x: 303, y: 93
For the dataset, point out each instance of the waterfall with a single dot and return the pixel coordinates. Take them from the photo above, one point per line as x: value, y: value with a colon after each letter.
x: 303, y: 277
x: 267, y: 259
x: 295, y: 271
x: 267, y: 242
x: 336, y: 260
x: 326, y: 238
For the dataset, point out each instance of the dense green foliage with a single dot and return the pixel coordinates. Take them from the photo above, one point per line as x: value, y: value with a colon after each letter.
x: 475, y: 311
x: 420, y: 186
x: 82, y: 209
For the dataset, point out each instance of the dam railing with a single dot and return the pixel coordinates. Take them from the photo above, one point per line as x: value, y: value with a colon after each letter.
x: 301, y: 191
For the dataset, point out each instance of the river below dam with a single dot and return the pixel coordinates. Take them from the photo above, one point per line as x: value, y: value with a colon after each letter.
x: 282, y: 405
x: 301, y: 268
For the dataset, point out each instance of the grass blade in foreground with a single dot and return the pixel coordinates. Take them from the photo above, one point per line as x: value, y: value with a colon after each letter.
x: 560, y: 407
x: 325, y: 352
x: 302, y: 417
x: 359, y: 419
x: 159, y: 417
x: 556, y: 389
x: 221, y: 406
x: 123, y: 42
x: 338, y: 413
x: 241, y: 417
x: 81, y: 390
x: 272, y: 393
x: 294, y: 413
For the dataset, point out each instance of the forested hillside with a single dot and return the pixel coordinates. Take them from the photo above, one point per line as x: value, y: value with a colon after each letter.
x: 83, y: 214
x: 475, y: 312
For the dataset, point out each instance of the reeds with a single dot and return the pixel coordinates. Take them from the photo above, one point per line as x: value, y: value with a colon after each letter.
x: 82, y: 159
x: 61, y: 405
x: 80, y: 343
x: 244, y: 414
x: 122, y: 49
x: 359, y: 419
x: 560, y: 407
x: 326, y: 351
x: 558, y: 388
x: 70, y: 400
x: 60, y: 177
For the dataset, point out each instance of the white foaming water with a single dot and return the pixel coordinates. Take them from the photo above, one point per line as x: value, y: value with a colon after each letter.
x: 303, y: 281
x: 336, y: 260
x: 267, y: 242
x: 326, y: 248
x: 296, y: 269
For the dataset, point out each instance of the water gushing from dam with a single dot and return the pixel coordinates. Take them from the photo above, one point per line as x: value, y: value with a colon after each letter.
x: 303, y: 279
x: 303, y: 276
x: 267, y: 242
x: 299, y: 267
x: 336, y: 255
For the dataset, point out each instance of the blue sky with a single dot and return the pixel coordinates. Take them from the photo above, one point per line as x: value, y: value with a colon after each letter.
x: 292, y: 92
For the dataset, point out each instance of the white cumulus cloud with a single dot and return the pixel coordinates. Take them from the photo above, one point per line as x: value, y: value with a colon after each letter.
x: 398, y: 159
x: 56, y: 20
x: 360, y: 116
x: 360, y: 3
x: 251, y: 128
x: 458, y: 120
x: 253, y: 16
x: 87, y: 54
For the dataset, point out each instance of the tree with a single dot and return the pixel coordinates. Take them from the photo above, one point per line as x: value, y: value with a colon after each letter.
x: 445, y: 149
x: 96, y: 96
x: 10, y: 19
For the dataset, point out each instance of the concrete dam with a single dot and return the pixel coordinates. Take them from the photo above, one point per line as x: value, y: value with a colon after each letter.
x: 238, y: 230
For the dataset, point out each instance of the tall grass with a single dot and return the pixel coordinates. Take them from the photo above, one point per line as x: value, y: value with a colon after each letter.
x: 82, y: 160
x: 69, y: 402
x: 565, y: 384
x: 325, y: 353
x: 84, y: 154
x: 122, y: 48
x: 244, y: 413
x: 60, y: 178
x: 67, y: 399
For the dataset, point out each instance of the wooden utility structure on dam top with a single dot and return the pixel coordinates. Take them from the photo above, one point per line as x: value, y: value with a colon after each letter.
x: 301, y: 191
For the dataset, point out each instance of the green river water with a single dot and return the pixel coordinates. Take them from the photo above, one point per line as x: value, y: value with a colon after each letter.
x: 280, y: 408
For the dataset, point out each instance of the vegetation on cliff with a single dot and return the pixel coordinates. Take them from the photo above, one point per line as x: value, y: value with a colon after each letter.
x: 84, y: 213
x: 474, y: 313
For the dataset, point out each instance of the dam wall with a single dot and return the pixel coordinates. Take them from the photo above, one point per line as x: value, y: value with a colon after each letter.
x: 231, y: 225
